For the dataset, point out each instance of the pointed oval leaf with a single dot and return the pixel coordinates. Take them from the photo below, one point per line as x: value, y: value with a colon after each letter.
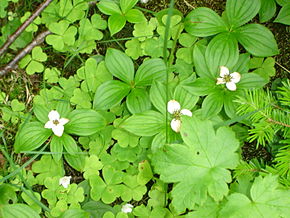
x: 116, y: 22
x: 17, y: 210
x: 135, y: 16
x: 84, y: 122
x: 204, y: 22
x: 222, y: 51
x: 284, y: 15
x: 212, y: 104
x: 138, y: 101
x: 120, y: 65
x: 126, y: 5
x: 257, y: 40
x: 149, y: 71
x: 148, y: 123
x: 110, y: 94
x: 241, y: 11
x: 109, y: 7
x: 31, y: 136
x: 56, y: 147
x: 267, y: 11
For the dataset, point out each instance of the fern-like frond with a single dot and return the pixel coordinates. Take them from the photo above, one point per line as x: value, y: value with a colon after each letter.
x: 283, y: 159
x: 263, y: 132
x: 284, y: 93
x: 256, y: 100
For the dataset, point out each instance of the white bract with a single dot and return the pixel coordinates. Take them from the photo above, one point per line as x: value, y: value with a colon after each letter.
x: 56, y: 123
x: 65, y: 181
x: 173, y: 107
x: 230, y: 79
x: 144, y: 1
x: 127, y: 208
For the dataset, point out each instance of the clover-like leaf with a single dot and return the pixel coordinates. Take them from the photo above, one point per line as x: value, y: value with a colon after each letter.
x: 55, y: 168
x: 133, y: 49
x: 200, y: 167
x: 92, y: 166
x: 109, y: 188
x: 131, y: 189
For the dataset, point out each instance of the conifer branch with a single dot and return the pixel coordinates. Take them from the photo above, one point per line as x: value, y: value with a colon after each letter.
x: 20, y: 29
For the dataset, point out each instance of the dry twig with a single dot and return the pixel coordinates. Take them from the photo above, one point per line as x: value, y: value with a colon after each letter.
x: 20, y: 29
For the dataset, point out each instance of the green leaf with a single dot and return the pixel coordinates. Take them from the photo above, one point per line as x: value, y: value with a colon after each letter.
x: 84, y: 122
x: 40, y: 167
x: 31, y: 136
x: 251, y: 80
x: 126, y: 5
x: 135, y: 16
x: 76, y: 161
x: 97, y: 208
x: 70, y: 213
x: 265, y: 69
x: 131, y: 189
x: 109, y: 7
x: 81, y: 99
x: 201, y: 86
x: 133, y: 48
x: 199, y: 62
x: 266, y: 200
x: 267, y: 10
x: 7, y: 194
x: 284, y: 15
x: 145, y: 172
x: 138, y: 101
x: 158, y: 96
x: 69, y: 144
x: 204, y: 22
x: 125, y: 138
x: 212, y: 104
x: 17, y: 106
x: 197, y: 168
x: 148, y: 123
x: 187, y: 40
x: 149, y: 71
x: 56, y: 147
x: 110, y: 94
x: 17, y: 210
x: 109, y: 188
x: 222, y: 51
x: 257, y: 40
x: 34, y: 67
x: 92, y: 166
x: 242, y: 11
x: 116, y: 22
x: 120, y: 65
x: 186, y: 99
x: 38, y: 55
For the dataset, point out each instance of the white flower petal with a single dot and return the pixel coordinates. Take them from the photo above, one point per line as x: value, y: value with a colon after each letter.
x: 53, y: 115
x: 186, y: 112
x: 49, y: 125
x: 173, y: 106
x: 235, y: 77
x: 63, y: 121
x: 65, y: 181
x: 224, y: 71
x: 175, y: 125
x: 220, y: 81
x: 231, y: 86
x: 58, y: 130
x: 127, y: 208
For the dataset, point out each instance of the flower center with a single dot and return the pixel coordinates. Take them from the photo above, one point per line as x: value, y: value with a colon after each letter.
x: 227, y: 78
x: 176, y: 115
x: 55, y: 122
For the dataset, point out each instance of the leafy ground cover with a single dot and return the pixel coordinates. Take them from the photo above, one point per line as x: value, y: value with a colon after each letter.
x: 121, y: 108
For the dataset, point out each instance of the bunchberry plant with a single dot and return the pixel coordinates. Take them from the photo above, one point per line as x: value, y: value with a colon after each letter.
x: 127, y: 108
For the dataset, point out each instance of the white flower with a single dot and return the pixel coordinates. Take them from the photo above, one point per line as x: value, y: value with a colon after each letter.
x: 65, y: 181
x: 144, y: 1
x: 56, y: 123
x: 127, y: 208
x: 229, y: 79
x: 173, y: 107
